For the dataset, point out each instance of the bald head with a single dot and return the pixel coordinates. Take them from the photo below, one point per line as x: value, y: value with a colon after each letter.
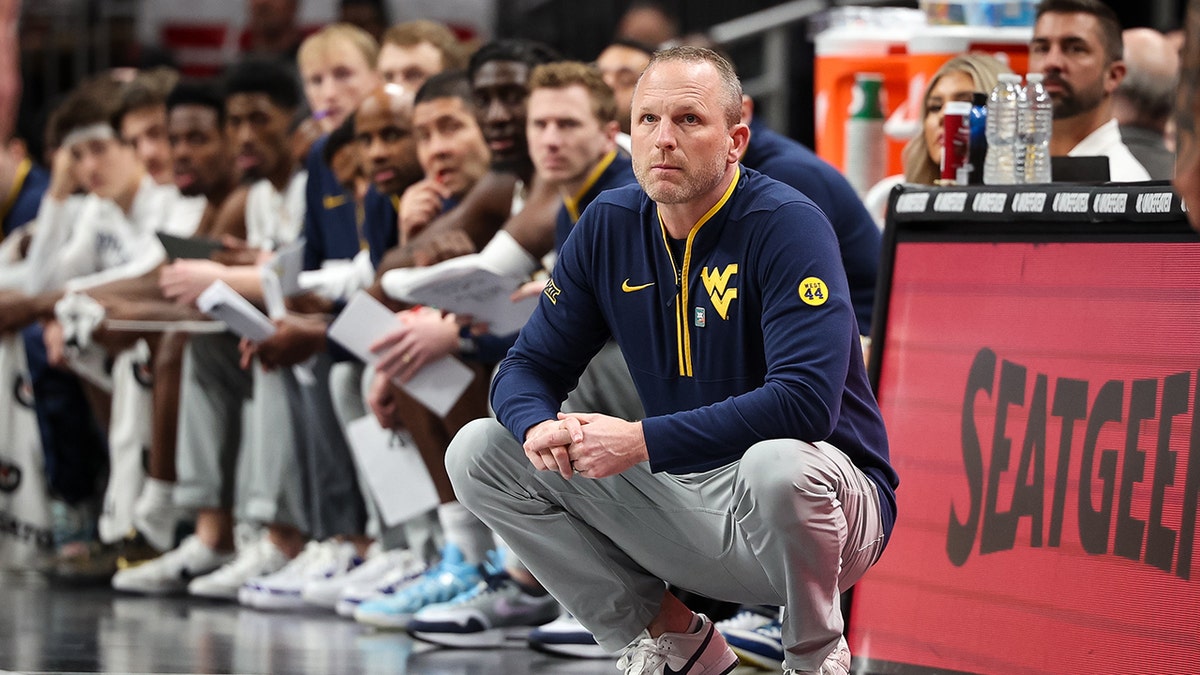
x: 1145, y: 97
x: 383, y: 129
x: 389, y: 97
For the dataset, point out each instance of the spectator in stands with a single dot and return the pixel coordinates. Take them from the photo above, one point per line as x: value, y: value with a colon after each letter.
x: 612, y: 529
x: 959, y: 79
x: 647, y: 22
x: 1077, y: 45
x: 143, y: 115
x: 272, y: 30
x: 414, y: 50
x: 1143, y: 102
x: 369, y: 15
x: 1187, y: 112
x: 621, y: 63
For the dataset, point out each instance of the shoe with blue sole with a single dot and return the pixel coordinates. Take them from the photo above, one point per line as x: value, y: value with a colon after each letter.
x: 441, y: 583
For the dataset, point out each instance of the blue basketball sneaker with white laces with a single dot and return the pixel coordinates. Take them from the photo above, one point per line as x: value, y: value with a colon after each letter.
x: 441, y: 583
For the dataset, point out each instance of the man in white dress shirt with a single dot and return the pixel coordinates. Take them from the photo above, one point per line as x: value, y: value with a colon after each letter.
x: 1077, y: 45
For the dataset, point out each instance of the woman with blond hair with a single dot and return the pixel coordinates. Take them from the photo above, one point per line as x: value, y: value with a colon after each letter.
x: 957, y: 80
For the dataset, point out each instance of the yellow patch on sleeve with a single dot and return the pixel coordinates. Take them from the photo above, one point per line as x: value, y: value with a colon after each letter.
x: 813, y: 291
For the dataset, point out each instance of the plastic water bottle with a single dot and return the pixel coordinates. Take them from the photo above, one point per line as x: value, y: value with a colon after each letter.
x: 978, y: 137
x: 1036, y: 124
x: 1000, y: 166
x: 866, y: 146
x: 1021, y: 142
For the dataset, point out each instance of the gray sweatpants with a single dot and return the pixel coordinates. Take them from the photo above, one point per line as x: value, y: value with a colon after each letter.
x: 237, y: 444
x: 606, y: 386
x: 348, y: 385
x: 334, y: 503
x: 790, y: 524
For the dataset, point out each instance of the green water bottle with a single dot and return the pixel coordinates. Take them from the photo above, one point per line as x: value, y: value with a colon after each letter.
x: 865, y: 160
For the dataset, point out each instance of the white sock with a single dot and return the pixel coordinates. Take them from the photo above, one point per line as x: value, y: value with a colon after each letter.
x: 463, y: 529
x: 422, y: 534
x: 154, y: 513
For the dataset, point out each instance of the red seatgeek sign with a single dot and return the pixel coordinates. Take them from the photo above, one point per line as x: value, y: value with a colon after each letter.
x: 1041, y: 402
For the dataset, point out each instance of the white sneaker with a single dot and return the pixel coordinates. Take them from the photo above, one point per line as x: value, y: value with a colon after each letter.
x: 837, y: 663
x: 380, y: 576
x: 171, y: 571
x: 255, y: 559
x: 702, y: 652
x: 326, y: 591
x: 285, y: 589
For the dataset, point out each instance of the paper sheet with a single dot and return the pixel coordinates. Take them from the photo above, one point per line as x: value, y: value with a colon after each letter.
x: 438, y: 386
x: 464, y: 285
x: 222, y: 302
x: 396, y: 475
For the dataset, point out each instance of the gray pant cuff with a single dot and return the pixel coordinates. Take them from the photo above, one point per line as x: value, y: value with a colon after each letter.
x: 193, y: 497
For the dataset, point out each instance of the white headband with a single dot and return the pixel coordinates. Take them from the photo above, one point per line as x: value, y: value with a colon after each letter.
x: 96, y: 132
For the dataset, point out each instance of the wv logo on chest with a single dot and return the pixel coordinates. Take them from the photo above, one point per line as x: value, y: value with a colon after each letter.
x: 717, y: 285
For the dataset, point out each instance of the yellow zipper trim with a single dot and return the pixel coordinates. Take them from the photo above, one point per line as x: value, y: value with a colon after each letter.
x: 683, y: 335
x: 572, y: 203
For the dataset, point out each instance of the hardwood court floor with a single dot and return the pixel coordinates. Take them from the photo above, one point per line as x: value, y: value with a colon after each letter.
x: 45, y: 628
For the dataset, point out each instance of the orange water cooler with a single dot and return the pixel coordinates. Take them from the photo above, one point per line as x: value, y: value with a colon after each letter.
x: 906, y: 56
x: 841, y: 54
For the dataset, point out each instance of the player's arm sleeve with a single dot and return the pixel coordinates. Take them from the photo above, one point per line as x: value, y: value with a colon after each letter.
x: 58, y: 233
x: 149, y: 254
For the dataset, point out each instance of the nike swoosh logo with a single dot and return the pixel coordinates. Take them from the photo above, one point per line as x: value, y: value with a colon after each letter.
x: 668, y: 670
x: 629, y: 289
